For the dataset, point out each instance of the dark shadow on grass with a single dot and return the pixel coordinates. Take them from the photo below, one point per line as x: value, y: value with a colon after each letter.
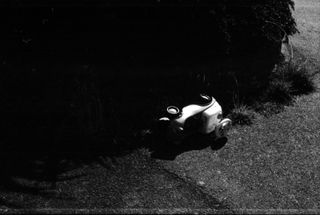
x: 8, y: 204
x: 167, y: 150
x: 35, y: 171
x: 9, y: 184
x: 12, y: 185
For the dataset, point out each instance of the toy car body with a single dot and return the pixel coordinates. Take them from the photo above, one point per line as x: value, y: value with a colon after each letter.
x: 204, y: 116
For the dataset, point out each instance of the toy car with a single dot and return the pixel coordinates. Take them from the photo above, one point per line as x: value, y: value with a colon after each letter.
x: 203, y: 116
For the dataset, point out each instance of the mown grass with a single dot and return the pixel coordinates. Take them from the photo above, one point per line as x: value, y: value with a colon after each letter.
x: 275, y: 160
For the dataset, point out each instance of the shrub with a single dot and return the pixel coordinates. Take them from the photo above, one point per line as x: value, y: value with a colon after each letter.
x: 268, y: 108
x: 279, y: 91
x: 289, y: 79
x: 242, y: 115
x: 300, y: 79
x: 275, y: 18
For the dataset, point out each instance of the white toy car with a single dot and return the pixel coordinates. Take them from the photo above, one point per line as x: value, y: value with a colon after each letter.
x: 203, y: 116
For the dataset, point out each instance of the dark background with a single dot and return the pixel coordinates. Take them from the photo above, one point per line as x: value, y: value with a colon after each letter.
x: 79, y: 79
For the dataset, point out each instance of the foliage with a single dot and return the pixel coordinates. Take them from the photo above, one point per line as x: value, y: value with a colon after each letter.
x: 276, y: 13
x: 268, y: 108
x: 287, y: 80
x: 208, y: 26
x: 279, y: 91
x: 251, y: 23
x: 242, y: 115
x: 300, y: 78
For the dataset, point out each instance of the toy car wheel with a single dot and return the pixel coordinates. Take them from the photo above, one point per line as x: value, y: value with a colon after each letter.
x: 223, y: 128
x: 173, y: 112
x: 205, y: 98
x: 202, y: 100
